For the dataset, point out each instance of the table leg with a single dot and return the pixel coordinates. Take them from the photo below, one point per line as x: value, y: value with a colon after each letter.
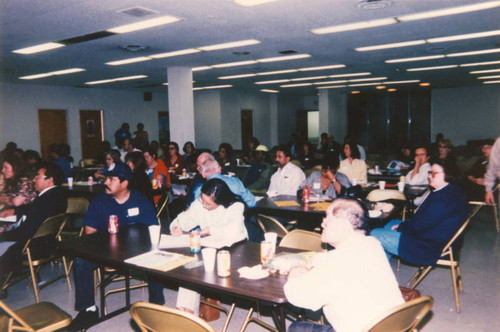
x: 278, y: 313
x: 102, y: 290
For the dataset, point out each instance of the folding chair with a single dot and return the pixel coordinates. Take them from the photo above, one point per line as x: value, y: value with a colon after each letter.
x: 479, y: 204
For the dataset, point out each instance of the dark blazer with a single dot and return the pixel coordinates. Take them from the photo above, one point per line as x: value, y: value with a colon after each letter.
x: 424, y: 236
x: 51, y: 203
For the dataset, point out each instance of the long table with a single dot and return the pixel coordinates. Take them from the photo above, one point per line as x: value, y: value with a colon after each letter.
x: 112, y: 250
x: 309, y: 218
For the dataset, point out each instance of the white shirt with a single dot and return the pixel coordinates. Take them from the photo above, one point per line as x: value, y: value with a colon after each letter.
x: 421, y: 178
x: 353, y: 283
x: 226, y: 223
x: 286, y: 180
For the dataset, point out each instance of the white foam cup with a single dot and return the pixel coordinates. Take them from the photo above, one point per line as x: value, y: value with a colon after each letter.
x: 208, y: 258
x: 154, y: 234
x: 381, y: 184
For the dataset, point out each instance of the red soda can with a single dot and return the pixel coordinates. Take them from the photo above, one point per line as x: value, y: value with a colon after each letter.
x: 306, y: 194
x: 113, y: 224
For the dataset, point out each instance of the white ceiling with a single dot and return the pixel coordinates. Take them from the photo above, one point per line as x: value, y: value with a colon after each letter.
x: 280, y: 26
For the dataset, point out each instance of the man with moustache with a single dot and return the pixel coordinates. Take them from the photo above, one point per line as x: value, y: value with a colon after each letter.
x: 131, y: 207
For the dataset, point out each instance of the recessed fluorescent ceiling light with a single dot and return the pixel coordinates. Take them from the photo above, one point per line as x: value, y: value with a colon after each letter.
x: 354, y: 26
x: 213, y: 87
x: 269, y: 91
x: 174, y: 53
x: 449, y: 11
x: 277, y: 72
x: 272, y: 82
x: 491, y: 82
x: 295, y: 85
x: 308, y: 78
x: 401, y: 82
x: 321, y: 67
x: 368, y: 79
x: 350, y: 75
x: 487, y: 63
x: 236, y: 76
x: 285, y: 58
x: 234, y: 64
x: 493, y: 50
x: 331, y: 87
x: 465, y: 36
x: 52, y: 73
x: 201, y: 68
x: 392, y: 45
x: 229, y: 45
x: 38, y: 48
x: 127, y: 61
x: 432, y: 68
x: 485, y: 71
x: 419, y: 58
x: 330, y: 82
x: 144, y: 24
x: 365, y: 84
x: 488, y: 77
x: 126, y: 78
x: 250, y: 3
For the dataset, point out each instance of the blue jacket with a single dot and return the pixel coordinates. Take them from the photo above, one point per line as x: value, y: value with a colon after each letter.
x: 424, y: 236
x: 234, y: 184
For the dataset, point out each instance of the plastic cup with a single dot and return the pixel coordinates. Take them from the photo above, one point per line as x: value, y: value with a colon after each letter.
x: 381, y: 184
x: 271, y: 237
x: 154, y: 234
x: 70, y: 182
x: 401, y: 186
x: 208, y: 258
x: 267, y: 250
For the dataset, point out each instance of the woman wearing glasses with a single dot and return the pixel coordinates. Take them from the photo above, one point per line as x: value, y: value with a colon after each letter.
x: 174, y: 161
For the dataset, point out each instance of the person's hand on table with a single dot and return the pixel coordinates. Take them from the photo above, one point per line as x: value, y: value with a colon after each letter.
x: 298, y: 271
x: 176, y: 231
x: 488, y: 198
x: 7, y: 213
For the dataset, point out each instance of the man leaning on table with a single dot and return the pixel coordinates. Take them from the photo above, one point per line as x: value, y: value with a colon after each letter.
x: 353, y: 283
x: 288, y: 178
x: 131, y: 207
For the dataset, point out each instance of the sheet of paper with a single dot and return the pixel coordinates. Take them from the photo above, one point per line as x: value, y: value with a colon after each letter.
x: 5, y: 245
x: 169, y: 241
x: 322, y: 206
x: 286, y: 203
x: 12, y: 218
x: 160, y: 260
x: 218, y: 242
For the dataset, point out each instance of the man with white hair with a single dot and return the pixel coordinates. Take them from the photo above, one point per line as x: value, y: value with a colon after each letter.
x: 211, y: 169
x: 353, y: 284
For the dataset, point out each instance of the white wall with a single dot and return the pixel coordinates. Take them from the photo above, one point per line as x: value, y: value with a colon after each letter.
x: 19, y: 105
x: 468, y: 113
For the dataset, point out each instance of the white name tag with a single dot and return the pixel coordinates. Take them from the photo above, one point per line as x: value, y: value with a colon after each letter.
x: 316, y: 185
x: 133, y: 212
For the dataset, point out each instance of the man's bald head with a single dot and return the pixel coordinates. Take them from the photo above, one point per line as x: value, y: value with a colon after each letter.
x: 204, y: 156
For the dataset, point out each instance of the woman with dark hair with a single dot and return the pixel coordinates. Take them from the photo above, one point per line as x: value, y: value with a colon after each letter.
x: 225, y: 159
x: 18, y: 189
x: 351, y: 165
x: 328, y: 182
x: 219, y: 213
x: 174, y: 161
x: 251, y: 144
x: 140, y: 180
x: 446, y: 158
x: 188, y: 149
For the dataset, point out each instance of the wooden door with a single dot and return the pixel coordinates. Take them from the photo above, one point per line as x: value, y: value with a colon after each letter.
x: 91, y: 133
x: 246, y: 126
x: 53, y: 129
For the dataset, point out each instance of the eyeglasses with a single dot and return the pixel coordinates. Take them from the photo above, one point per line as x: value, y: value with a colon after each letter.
x: 431, y: 173
x: 171, y: 148
x: 38, y: 176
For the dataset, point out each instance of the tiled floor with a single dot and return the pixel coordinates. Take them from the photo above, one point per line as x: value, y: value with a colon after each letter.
x: 480, y: 301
